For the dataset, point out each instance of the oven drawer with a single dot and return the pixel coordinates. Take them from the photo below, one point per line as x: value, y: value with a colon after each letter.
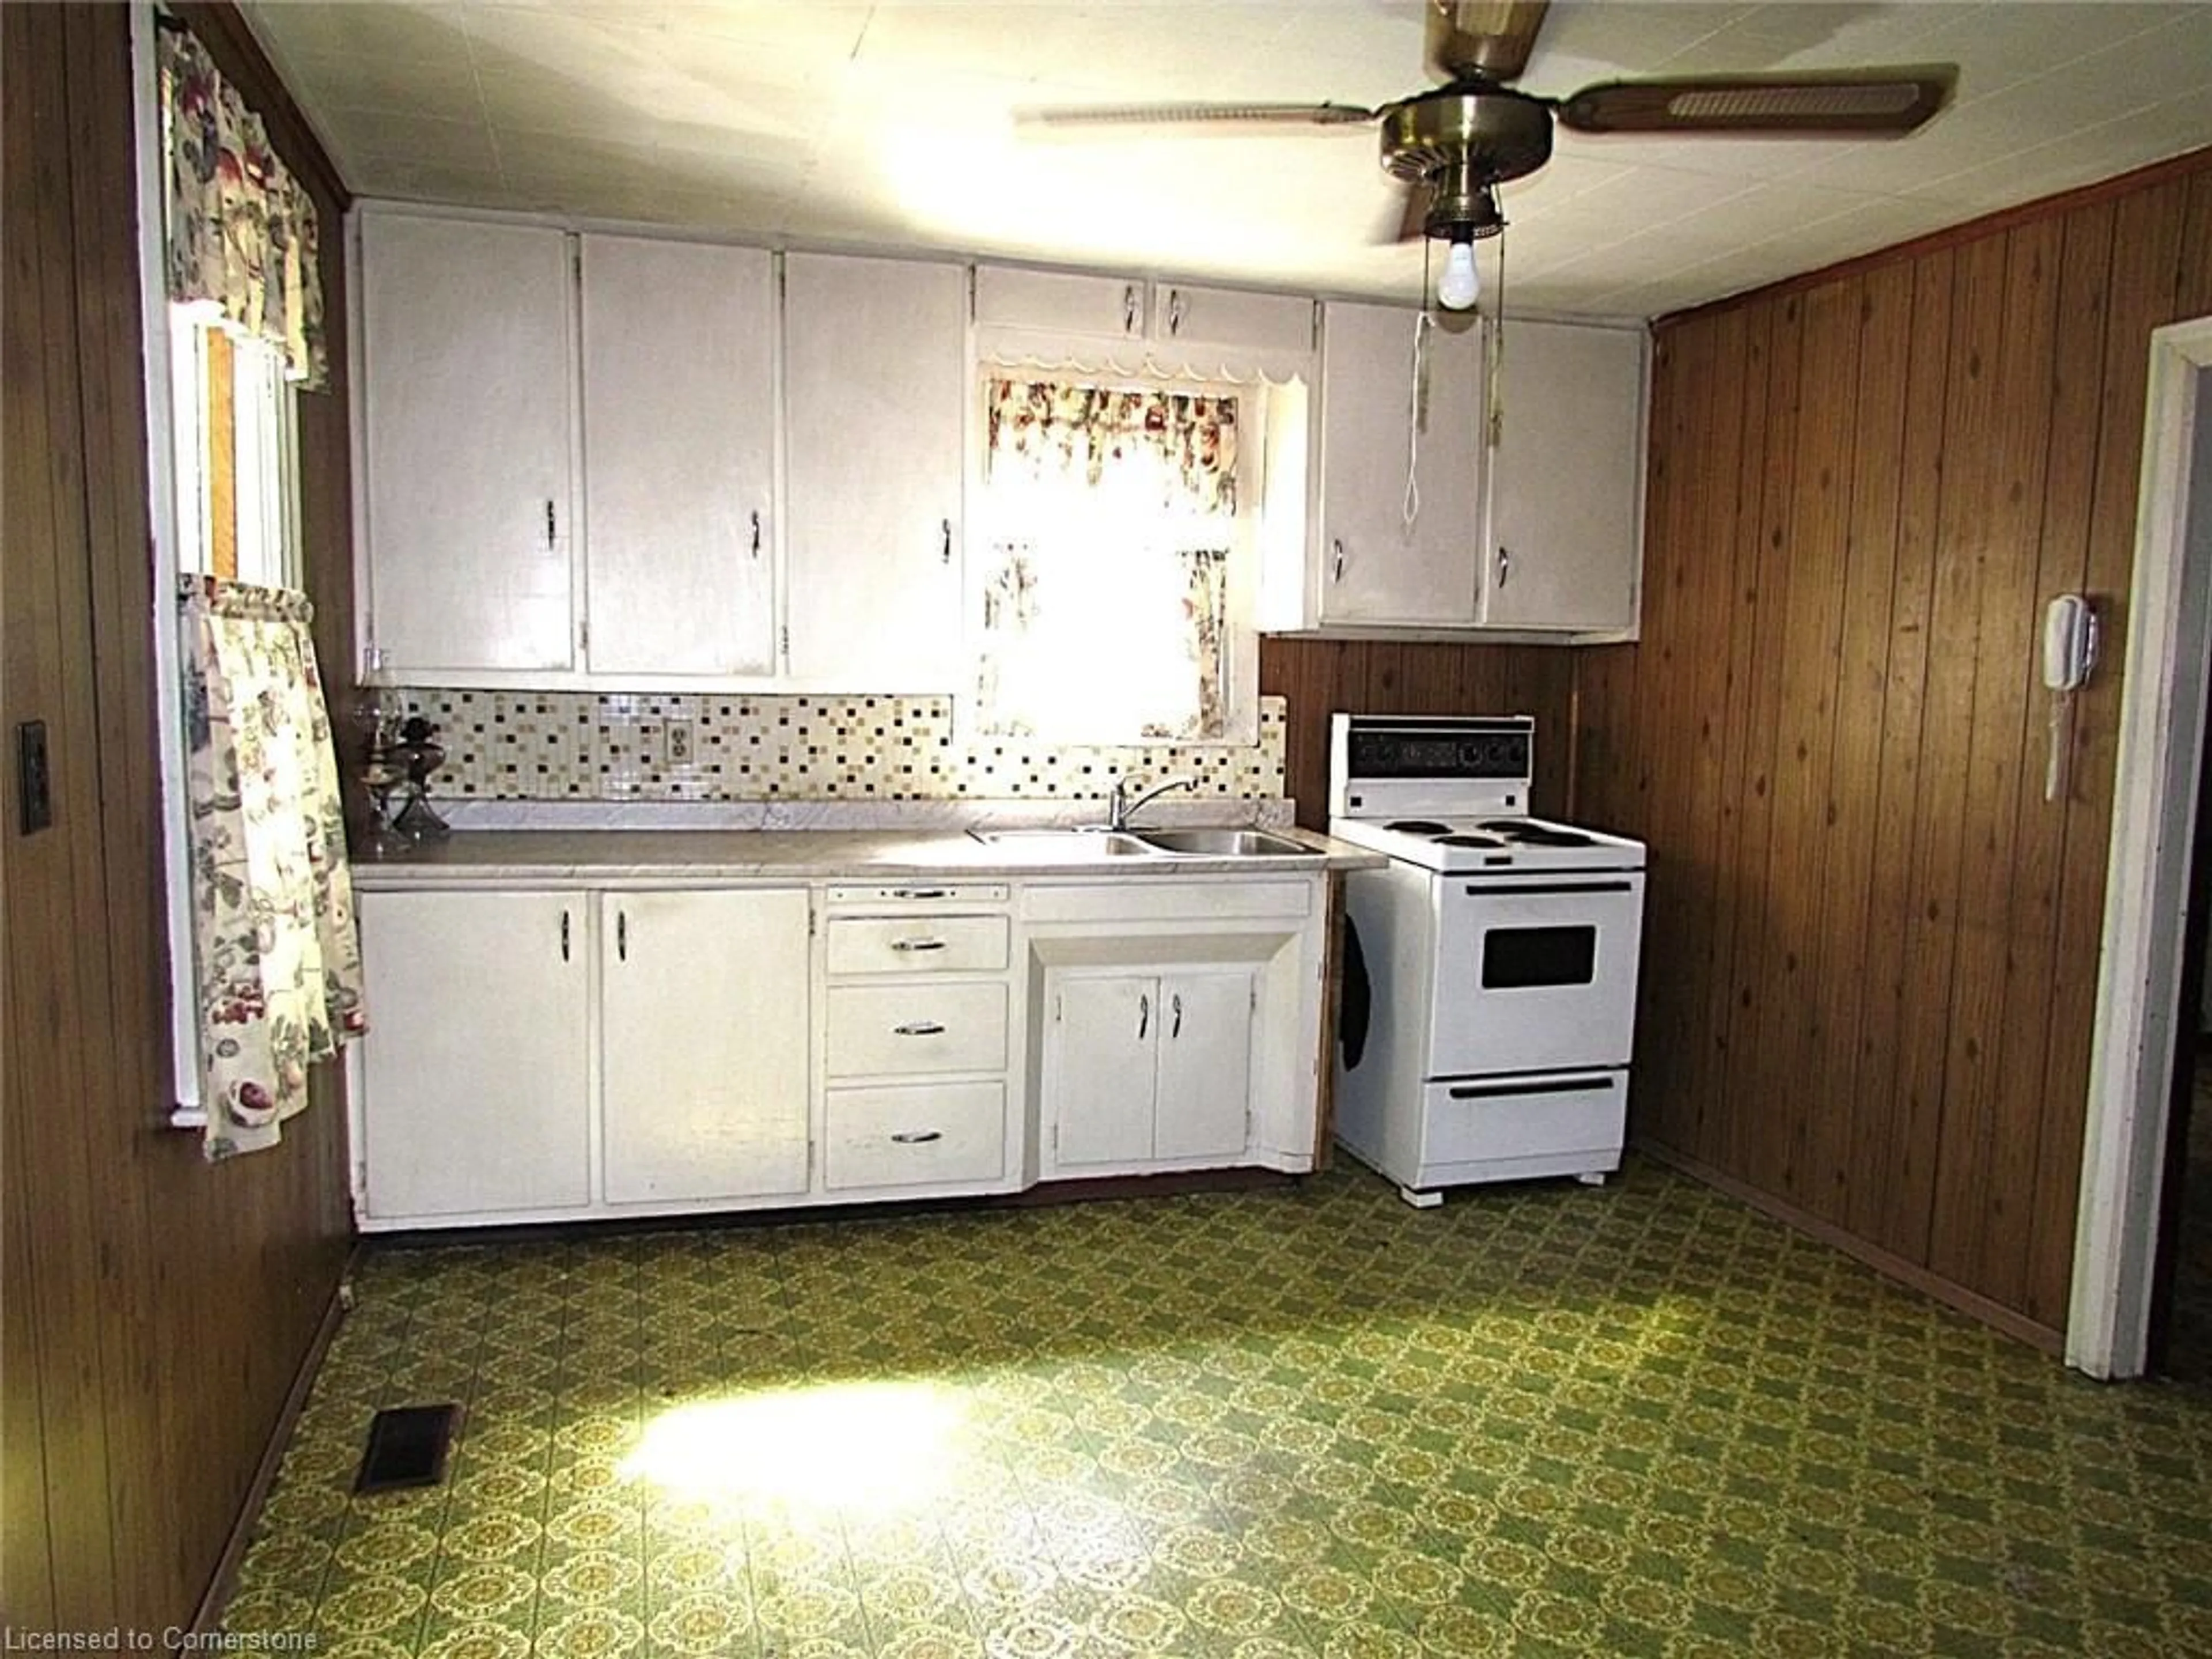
x: 884, y: 1031
x: 915, y: 1135
x: 1486, y: 1120
x: 916, y: 944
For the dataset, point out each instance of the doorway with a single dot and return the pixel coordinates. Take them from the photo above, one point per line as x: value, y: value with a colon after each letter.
x: 2141, y: 1033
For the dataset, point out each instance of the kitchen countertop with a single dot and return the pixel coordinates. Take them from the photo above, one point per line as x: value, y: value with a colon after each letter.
x: 600, y: 856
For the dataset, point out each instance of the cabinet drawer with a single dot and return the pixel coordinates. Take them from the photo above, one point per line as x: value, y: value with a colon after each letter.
x: 916, y: 1134
x: 902, y: 944
x: 885, y: 1031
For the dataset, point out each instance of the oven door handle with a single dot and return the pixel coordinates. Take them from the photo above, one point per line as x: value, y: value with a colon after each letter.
x: 1508, y: 889
x: 1567, y: 1085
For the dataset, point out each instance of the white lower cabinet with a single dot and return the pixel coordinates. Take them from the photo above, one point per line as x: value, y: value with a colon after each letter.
x: 476, y: 1099
x: 702, y: 1044
x: 1148, y: 1068
x: 542, y: 1053
x: 473, y: 1091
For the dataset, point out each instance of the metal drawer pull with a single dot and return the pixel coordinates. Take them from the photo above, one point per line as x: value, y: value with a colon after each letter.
x: 1129, y: 309
x: 921, y: 893
x: 757, y: 535
x: 621, y: 934
x: 918, y: 1028
x: 564, y: 936
x: 1512, y: 890
x: 917, y: 944
x: 944, y: 528
x: 1504, y: 567
x: 1338, y: 573
x: 917, y: 1137
x: 1573, y: 1085
x: 549, y: 524
x: 1174, y: 311
x: 1144, y: 1017
x: 1175, y: 1030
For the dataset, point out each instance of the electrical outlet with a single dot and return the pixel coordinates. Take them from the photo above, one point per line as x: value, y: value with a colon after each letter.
x: 676, y: 743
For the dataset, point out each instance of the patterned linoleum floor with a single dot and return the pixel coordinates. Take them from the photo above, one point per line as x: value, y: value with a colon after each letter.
x: 1544, y: 1420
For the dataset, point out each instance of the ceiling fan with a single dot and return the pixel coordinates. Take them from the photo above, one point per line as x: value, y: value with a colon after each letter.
x: 1454, y: 144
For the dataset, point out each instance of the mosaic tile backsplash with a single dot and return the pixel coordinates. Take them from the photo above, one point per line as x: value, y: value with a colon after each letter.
x: 638, y: 746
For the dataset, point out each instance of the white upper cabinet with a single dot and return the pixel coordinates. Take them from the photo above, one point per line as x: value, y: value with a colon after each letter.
x: 467, y: 423
x: 1060, y: 301
x: 1566, y: 479
x: 1072, y: 306
x: 1371, y: 559
x: 679, y: 457
x: 875, y: 395
x: 1276, y: 324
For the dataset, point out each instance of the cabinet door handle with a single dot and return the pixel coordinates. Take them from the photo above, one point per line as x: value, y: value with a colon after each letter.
x: 1174, y: 311
x: 1129, y: 309
x: 1175, y: 1003
x: 917, y: 944
x: 1504, y: 567
x: 918, y: 1028
x: 916, y: 1136
x: 757, y: 535
x: 945, y: 541
x: 549, y: 532
x: 622, y: 935
x: 1144, y: 1017
x: 564, y: 936
x: 920, y: 892
x: 1337, y: 570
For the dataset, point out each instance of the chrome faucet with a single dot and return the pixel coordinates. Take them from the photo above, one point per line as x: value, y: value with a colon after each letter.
x: 1119, y: 808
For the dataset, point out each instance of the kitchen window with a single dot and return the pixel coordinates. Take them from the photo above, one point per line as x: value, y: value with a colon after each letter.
x: 231, y: 449
x: 1118, y: 559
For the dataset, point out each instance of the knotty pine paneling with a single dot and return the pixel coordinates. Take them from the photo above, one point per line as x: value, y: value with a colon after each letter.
x: 156, y: 1309
x: 1870, y: 955
x: 1321, y: 677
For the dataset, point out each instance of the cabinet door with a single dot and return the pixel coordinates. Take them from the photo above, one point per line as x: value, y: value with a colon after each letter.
x: 466, y: 418
x: 1060, y: 301
x: 1565, y: 479
x: 680, y: 454
x: 475, y: 1084
x: 1277, y: 324
x: 875, y: 390
x: 1373, y: 566
x: 1205, y: 1065
x: 1100, y: 1053
x: 703, y: 1044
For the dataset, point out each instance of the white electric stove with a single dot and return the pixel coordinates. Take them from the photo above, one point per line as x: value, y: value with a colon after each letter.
x: 1490, y: 967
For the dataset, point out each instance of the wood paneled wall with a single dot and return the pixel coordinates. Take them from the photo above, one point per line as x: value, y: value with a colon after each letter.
x: 1321, y: 677
x: 156, y: 1309
x: 1870, y: 950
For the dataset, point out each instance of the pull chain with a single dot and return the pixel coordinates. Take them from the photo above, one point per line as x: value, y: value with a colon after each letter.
x: 1423, y: 322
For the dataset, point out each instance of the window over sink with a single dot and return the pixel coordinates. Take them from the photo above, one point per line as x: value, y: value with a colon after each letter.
x: 1118, y: 520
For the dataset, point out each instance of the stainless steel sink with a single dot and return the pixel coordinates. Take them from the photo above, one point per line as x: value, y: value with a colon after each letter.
x: 1074, y: 842
x: 1225, y: 843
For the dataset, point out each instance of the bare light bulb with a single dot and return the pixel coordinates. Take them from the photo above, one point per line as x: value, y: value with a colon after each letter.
x: 1460, y: 286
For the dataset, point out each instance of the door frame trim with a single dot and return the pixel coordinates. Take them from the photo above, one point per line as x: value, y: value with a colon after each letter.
x: 2162, y: 719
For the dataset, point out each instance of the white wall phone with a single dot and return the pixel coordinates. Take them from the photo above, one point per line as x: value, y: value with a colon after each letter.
x: 2069, y: 653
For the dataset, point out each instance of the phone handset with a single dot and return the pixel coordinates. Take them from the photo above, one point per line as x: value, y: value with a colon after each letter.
x: 2069, y: 653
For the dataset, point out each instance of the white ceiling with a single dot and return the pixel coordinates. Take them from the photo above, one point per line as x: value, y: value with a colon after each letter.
x: 888, y: 124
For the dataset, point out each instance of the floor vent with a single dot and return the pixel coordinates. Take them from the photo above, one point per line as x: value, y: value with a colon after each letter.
x: 408, y: 1447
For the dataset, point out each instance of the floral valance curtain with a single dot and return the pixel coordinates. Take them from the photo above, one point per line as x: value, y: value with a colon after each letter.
x: 1068, y: 426
x: 276, y: 954
x: 241, y: 232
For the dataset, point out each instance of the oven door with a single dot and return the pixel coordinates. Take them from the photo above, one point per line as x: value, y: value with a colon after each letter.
x: 1534, y: 972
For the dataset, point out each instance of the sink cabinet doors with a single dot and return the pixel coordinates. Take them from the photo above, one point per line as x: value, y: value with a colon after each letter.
x: 1149, y: 1068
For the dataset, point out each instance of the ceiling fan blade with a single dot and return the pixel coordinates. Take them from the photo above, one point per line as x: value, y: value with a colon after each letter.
x: 1491, y: 38
x: 1873, y: 101
x: 1071, y: 116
